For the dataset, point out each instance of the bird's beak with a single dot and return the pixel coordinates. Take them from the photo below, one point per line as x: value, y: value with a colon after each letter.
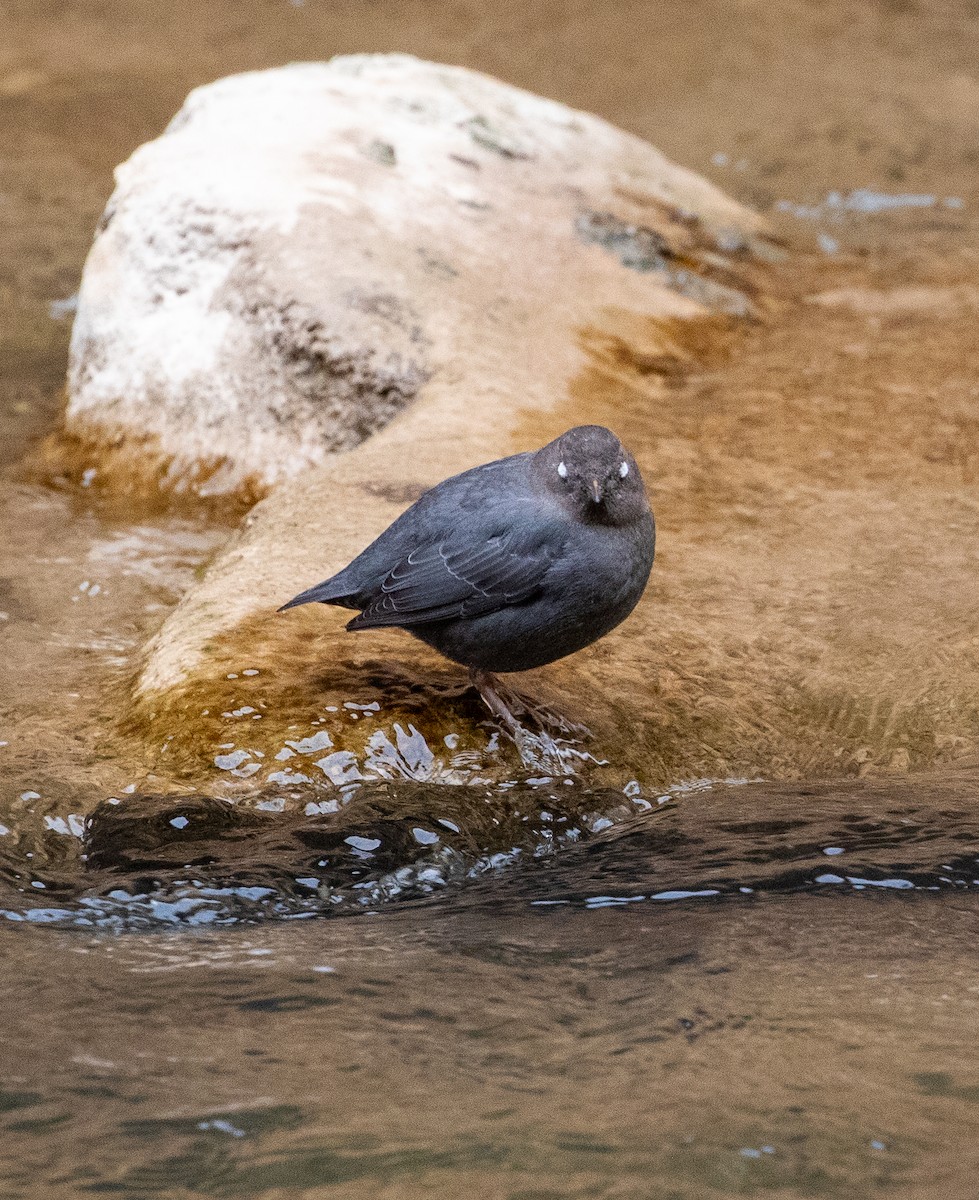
x: 595, y: 489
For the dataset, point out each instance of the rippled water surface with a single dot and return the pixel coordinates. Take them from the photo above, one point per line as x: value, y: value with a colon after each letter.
x: 709, y: 1002
x: 389, y: 973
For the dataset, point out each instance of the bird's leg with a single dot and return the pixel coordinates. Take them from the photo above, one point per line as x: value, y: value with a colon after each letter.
x: 538, y: 751
x: 506, y: 709
x: 487, y: 685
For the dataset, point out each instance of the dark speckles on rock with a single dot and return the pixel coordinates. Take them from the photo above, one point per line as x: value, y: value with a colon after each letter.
x: 438, y: 266
x: 382, y: 152
x: 635, y: 246
x: 473, y: 203
x: 395, y: 493
x: 484, y: 134
x: 639, y: 248
x: 362, y: 388
x: 106, y: 218
x: 386, y: 305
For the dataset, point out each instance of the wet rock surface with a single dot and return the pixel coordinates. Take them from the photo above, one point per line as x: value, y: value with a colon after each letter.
x: 803, y: 616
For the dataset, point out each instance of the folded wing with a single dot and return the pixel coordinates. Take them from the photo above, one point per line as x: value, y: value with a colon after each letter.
x: 457, y: 579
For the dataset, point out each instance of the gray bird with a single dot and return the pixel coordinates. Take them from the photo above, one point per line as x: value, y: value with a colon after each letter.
x: 512, y: 564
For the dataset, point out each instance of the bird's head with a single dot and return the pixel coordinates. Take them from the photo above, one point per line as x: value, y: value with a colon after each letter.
x: 591, y: 473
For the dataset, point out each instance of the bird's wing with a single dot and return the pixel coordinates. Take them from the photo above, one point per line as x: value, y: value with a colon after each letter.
x: 457, y: 578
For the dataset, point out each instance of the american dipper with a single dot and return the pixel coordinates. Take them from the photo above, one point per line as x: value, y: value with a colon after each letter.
x: 510, y: 565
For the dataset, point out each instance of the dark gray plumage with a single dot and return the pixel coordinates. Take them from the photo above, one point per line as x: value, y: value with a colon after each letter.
x: 512, y: 564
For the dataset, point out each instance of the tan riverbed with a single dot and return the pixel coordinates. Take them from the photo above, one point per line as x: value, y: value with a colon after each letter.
x: 541, y: 1032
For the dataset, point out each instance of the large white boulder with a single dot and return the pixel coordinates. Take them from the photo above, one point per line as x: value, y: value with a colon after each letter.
x: 307, y: 251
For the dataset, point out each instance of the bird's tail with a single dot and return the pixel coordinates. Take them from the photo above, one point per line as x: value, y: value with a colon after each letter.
x: 330, y: 591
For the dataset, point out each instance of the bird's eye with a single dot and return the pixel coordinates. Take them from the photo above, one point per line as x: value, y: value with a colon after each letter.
x: 623, y: 470
x: 562, y: 470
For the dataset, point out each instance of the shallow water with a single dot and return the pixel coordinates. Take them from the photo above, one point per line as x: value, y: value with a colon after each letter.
x: 764, y: 988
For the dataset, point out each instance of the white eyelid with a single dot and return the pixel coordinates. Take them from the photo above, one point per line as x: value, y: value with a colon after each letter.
x: 562, y: 470
x: 623, y: 470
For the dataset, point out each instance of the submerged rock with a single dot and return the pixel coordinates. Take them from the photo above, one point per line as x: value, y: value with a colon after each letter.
x: 307, y: 251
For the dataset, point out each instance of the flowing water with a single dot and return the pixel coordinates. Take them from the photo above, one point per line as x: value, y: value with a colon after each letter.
x: 543, y: 987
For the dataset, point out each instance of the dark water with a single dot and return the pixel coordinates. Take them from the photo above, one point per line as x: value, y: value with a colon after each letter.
x: 150, y: 862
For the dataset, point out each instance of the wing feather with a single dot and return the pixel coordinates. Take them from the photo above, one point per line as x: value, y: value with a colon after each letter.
x: 456, y: 578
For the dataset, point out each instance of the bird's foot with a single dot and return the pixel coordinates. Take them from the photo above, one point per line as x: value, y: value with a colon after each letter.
x: 491, y: 692
x: 548, y: 720
x: 508, y: 707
